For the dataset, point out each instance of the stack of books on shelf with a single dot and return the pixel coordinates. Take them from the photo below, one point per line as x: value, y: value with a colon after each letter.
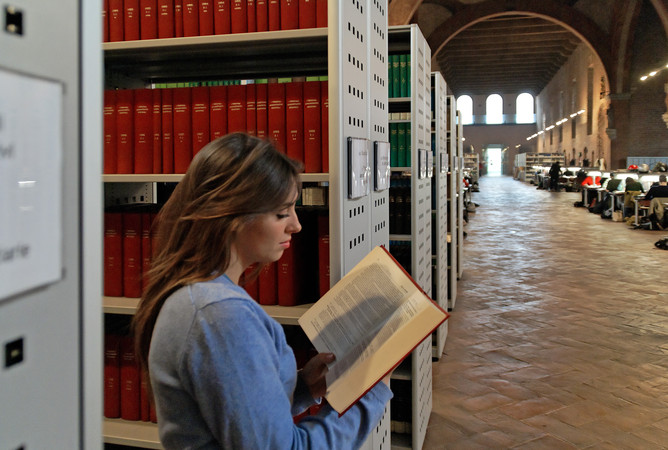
x: 399, y: 76
x: 129, y: 20
x: 400, y: 140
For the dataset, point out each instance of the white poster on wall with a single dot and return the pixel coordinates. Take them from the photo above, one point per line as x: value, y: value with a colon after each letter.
x: 31, y: 153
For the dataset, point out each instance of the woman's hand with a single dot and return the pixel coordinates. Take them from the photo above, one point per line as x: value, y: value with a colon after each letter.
x: 314, y: 372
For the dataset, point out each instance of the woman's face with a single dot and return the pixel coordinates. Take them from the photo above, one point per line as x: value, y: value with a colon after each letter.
x: 265, y: 238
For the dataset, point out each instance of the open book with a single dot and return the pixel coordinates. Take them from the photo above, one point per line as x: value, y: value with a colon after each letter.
x: 371, y: 320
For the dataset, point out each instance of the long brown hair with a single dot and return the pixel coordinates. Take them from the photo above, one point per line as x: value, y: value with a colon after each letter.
x: 229, y: 182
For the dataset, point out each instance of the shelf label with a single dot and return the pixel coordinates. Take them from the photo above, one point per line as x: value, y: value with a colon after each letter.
x: 31, y: 148
x: 359, y: 168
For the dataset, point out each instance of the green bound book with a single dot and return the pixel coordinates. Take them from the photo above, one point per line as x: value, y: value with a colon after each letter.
x: 403, y: 76
x: 401, y: 144
x: 394, y: 145
x: 408, y: 144
x: 396, y: 77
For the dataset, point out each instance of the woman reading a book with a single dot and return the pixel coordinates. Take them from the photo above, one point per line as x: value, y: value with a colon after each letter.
x: 221, y: 372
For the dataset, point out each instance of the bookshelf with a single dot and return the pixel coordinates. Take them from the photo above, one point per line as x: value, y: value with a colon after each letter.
x: 352, y: 53
x: 408, y: 40
x: 439, y: 205
x: 453, y: 236
x: 459, y: 180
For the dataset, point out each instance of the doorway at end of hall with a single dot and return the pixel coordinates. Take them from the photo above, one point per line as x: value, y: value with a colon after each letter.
x: 493, y: 160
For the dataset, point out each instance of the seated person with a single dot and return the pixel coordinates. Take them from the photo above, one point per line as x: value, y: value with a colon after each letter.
x: 633, y: 189
x: 656, y: 197
x: 658, y: 190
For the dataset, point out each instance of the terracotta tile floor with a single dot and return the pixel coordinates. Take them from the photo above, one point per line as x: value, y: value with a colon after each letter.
x: 559, y: 337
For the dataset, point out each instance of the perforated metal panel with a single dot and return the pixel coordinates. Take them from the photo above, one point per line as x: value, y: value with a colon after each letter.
x: 452, y: 202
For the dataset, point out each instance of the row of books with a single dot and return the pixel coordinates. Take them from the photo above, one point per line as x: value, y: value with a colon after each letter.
x: 130, y: 20
x: 399, y: 76
x: 399, y: 199
x: 400, y: 144
x: 401, y: 250
x: 160, y: 130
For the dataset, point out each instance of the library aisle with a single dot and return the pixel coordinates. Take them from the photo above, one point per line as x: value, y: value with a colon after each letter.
x: 559, y: 338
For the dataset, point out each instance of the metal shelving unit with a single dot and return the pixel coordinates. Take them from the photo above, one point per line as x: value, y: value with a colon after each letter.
x: 453, y: 236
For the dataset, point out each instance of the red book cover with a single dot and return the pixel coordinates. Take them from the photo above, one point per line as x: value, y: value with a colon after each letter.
x: 205, y: 17
x: 132, y: 260
x: 274, y: 15
x: 324, y: 128
x: 110, y: 133
x: 153, y: 415
x: 236, y: 108
x: 190, y: 13
x: 221, y: 17
x: 167, y: 131
x: 146, y: 252
x: 112, y: 376
x: 125, y: 129
x: 165, y: 19
x: 157, y: 130
x: 130, y: 383
x: 321, y: 13
x: 200, y: 117
x: 289, y: 14
x: 251, y: 286
x: 288, y: 276
x: 105, y: 21
x: 113, y: 254
x: 131, y: 20
x: 143, y: 122
x: 148, y: 22
x: 178, y: 18
x: 239, y: 17
x: 267, y: 285
x: 307, y: 14
x: 294, y: 119
x: 218, y: 111
x: 251, y: 19
x: 261, y: 110
x: 323, y: 254
x: 144, y: 400
x: 261, y: 15
x: 312, y: 125
x: 276, y: 114
x: 116, y: 20
x: 182, y: 133
x: 251, y: 117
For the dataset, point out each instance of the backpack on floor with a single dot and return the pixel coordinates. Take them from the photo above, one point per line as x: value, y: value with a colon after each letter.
x: 662, y: 243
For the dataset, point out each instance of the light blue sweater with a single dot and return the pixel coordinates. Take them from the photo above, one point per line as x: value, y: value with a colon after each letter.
x: 224, y: 376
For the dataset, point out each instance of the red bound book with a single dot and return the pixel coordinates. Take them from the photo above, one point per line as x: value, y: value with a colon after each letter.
x: 218, y: 111
x: 267, y: 285
x: 116, y: 13
x: 221, y: 16
x: 110, y: 133
x: 200, y: 117
x: 157, y: 130
x: 236, y: 108
x: 154, y: 234
x: 321, y: 13
x: 251, y: 117
x: 251, y: 286
x: 239, y: 17
x: 276, y: 114
x: 146, y: 252
x: 306, y: 13
x: 312, y: 124
x: 274, y: 15
x: 261, y: 110
x: 190, y: 13
x: 125, y: 129
x: 294, y: 120
x: 113, y: 254
x: 288, y: 281
x: 261, y: 15
x: 182, y: 129
x: 205, y: 17
x: 167, y: 130
x: 105, y: 21
x: 178, y: 18
x: 131, y: 20
x: 112, y: 376
x: 324, y: 128
x: 132, y: 259
x: 130, y: 382
x: 323, y: 254
x: 251, y: 19
x: 144, y: 400
x: 165, y: 19
x: 148, y: 22
x: 143, y: 121
x: 289, y: 14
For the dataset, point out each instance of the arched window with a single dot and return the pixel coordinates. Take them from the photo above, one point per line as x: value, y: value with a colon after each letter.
x: 465, y: 106
x: 494, y: 109
x: 525, y: 112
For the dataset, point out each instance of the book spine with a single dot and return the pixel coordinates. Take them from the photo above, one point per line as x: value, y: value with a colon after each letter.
x: 289, y: 10
x: 251, y: 286
x: 236, y: 108
x: 113, y: 254
x: 125, y: 130
x: 239, y: 17
x: 276, y: 115
x: 251, y: 113
x: 143, y: 133
x: 321, y: 13
x: 251, y: 16
x: 323, y: 254
x: 132, y: 260
x: 190, y: 13
x: 110, y: 132
x: 286, y: 282
x: 116, y: 20
x: 261, y: 110
x: 178, y: 18
x: 324, y: 128
x: 148, y: 25
x: 112, y: 376
x: 167, y: 129
x: 307, y: 14
x: 200, y: 117
x: 218, y: 112
x: 403, y: 76
x: 312, y: 125
x: 394, y: 145
x: 221, y: 17
x: 105, y: 21
x: 274, y: 15
x: 205, y: 17
x: 261, y: 15
x: 165, y: 19
x: 267, y: 285
x: 157, y: 130
x: 294, y: 119
x: 146, y: 251
x: 131, y: 20
x: 144, y: 400
x: 130, y: 383
x: 182, y: 129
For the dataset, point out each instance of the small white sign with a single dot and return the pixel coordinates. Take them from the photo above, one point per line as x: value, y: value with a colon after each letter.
x: 31, y: 148
x: 422, y: 164
x: 382, y: 165
x: 430, y: 164
x: 359, y: 168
